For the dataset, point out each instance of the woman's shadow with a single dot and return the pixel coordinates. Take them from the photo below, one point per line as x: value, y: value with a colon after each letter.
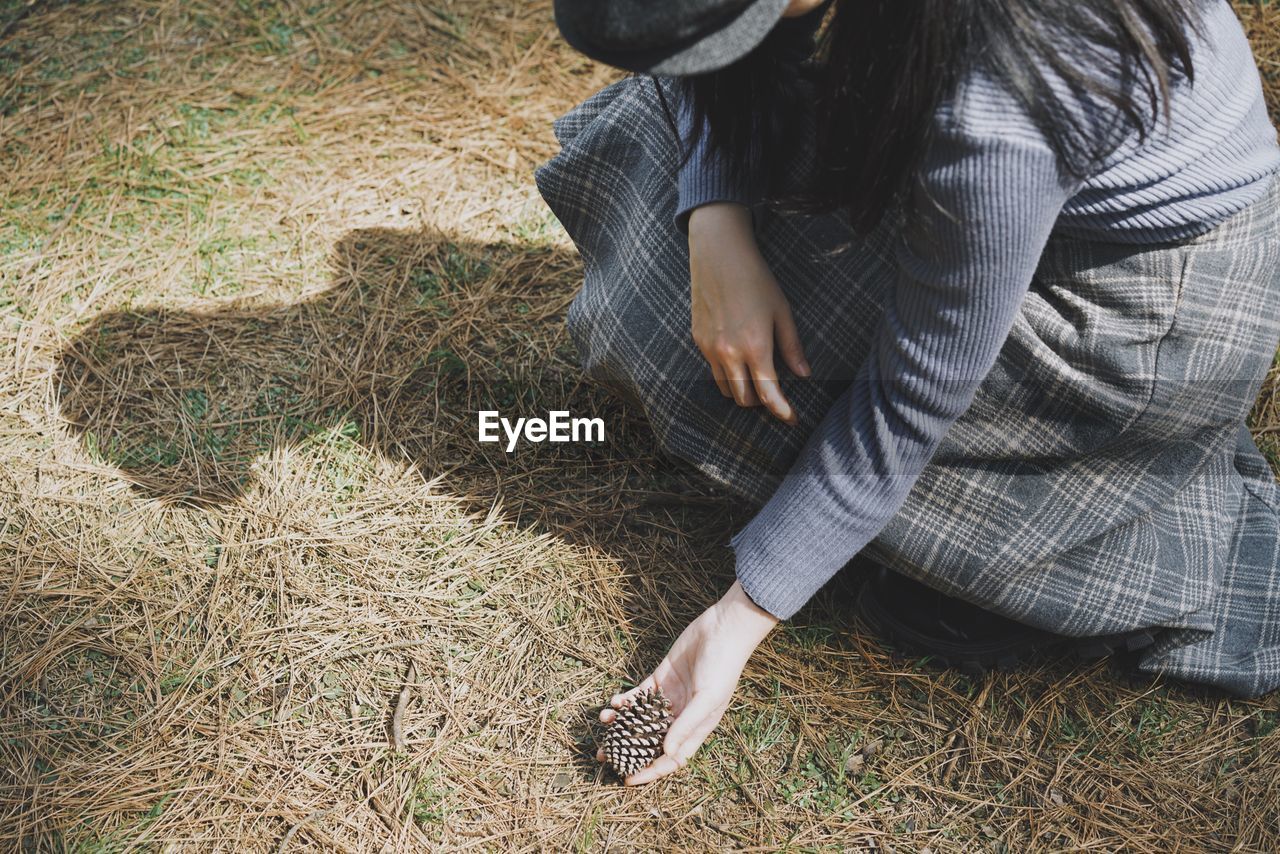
x: 418, y: 333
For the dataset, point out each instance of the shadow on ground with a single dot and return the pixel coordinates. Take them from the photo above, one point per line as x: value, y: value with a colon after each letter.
x: 417, y: 333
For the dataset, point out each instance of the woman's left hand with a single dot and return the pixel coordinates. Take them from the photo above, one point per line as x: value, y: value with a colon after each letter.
x: 699, y: 676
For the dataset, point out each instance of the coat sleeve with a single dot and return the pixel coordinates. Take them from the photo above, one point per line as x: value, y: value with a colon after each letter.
x: 705, y: 177
x: 961, y: 281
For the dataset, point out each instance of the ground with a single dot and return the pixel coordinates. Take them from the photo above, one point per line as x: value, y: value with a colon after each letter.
x: 259, y: 265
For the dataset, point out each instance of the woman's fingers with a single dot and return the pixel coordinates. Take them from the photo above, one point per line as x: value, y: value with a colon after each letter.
x: 740, y: 383
x: 686, y: 735
x: 721, y: 383
x: 789, y: 347
x: 691, y: 726
x: 747, y: 373
x: 660, y: 767
x: 770, y: 390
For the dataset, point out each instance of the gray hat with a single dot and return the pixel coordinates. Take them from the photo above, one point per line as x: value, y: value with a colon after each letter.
x: 675, y: 37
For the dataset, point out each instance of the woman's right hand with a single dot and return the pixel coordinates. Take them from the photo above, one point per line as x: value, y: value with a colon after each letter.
x: 739, y: 311
x: 699, y: 676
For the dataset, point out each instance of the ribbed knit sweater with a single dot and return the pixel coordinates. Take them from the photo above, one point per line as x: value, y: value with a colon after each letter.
x: 961, y: 282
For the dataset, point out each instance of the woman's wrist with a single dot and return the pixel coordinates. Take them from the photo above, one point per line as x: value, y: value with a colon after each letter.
x: 743, y: 611
x: 715, y: 219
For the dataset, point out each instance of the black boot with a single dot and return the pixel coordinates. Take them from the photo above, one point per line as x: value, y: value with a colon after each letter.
x: 961, y: 635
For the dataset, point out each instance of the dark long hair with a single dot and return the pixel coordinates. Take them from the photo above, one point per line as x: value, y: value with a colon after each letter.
x: 881, y: 68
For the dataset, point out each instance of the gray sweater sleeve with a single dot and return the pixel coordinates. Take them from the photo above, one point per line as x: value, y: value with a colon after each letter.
x: 704, y: 178
x: 960, y: 286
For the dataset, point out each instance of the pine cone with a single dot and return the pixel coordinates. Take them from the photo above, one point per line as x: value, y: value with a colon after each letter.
x: 634, y: 739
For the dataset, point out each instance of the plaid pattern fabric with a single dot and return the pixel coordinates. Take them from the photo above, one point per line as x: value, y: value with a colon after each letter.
x: 1102, y: 479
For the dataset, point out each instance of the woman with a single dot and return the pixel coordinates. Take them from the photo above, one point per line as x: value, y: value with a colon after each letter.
x: 1019, y: 389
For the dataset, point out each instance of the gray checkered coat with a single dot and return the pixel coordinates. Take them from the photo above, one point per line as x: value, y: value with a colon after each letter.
x: 1102, y: 479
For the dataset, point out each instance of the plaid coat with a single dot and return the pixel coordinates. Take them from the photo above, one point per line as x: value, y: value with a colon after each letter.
x: 1102, y: 480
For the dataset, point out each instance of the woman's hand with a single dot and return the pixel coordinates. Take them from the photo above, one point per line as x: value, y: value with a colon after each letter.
x: 699, y: 675
x: 739, y: 310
